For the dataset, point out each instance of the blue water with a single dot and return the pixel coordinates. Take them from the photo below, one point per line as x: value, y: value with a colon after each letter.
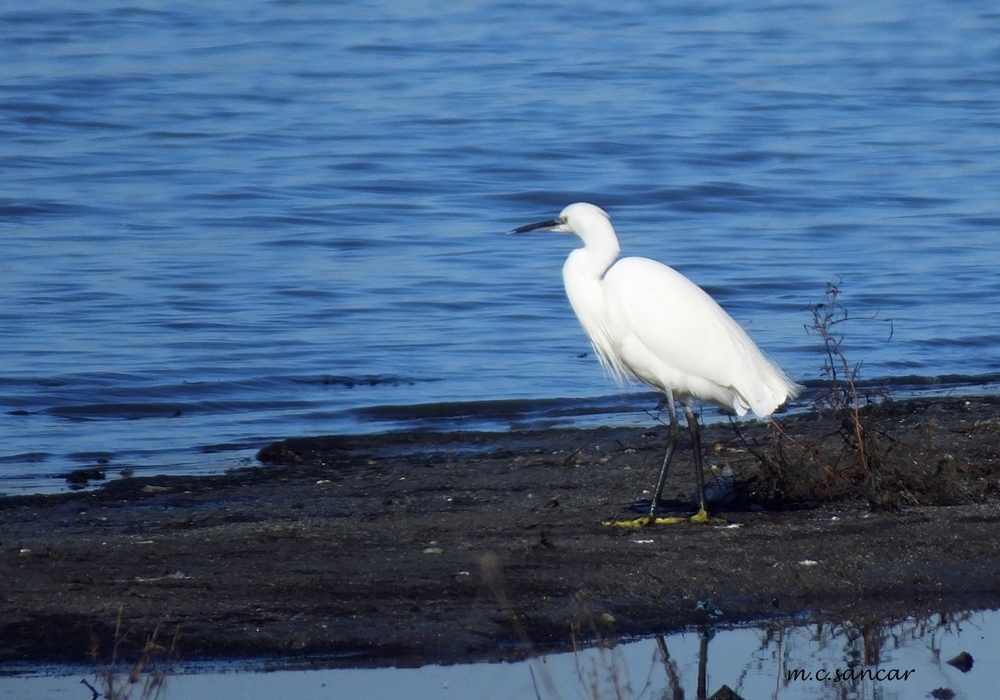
x: 224, y: 223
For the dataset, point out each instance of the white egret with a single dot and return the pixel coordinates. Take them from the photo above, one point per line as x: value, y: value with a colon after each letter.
x: 650, y: 323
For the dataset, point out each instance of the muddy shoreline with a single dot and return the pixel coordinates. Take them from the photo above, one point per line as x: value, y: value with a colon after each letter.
x: 414, y: 547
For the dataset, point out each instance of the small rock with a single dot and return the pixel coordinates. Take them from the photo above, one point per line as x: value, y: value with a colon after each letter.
x: 80, y: 477
x: 722, y: 489
x: 963, y: 662
x: 708, y: 607
x: 725, y: 693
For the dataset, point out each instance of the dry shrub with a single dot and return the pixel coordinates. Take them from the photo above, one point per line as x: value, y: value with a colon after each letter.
x: 118, y: 679
x: 850, y: 452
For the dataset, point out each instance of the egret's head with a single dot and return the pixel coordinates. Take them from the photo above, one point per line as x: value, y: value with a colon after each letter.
x: 576, y: 218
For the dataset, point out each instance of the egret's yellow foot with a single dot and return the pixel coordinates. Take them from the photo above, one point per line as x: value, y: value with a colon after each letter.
x: 701, y: 517
x: 643, y: 522
x: 634, y: 524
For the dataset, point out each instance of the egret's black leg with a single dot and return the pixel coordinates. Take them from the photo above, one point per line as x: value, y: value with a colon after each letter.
x: 699, y: 472
x: 671, y: 445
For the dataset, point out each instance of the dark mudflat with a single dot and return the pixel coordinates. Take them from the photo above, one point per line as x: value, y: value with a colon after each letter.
x: 418, y: 547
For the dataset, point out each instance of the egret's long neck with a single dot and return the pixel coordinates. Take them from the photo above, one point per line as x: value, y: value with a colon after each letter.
x: 599, y: 252
x: 583, y: 275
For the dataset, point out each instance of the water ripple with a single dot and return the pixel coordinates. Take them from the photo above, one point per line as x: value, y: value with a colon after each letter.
x: 238, y: 227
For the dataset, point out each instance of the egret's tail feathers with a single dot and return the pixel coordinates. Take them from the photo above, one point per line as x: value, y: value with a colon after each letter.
x: 774, y: 389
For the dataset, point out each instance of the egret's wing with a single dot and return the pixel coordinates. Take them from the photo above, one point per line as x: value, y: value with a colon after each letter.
x: 672, y: 329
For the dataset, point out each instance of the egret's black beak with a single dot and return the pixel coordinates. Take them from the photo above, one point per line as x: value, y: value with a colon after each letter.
x: 540, y: 226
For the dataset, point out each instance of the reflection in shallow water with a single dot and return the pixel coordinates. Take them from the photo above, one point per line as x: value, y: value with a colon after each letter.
x: 779, y: 659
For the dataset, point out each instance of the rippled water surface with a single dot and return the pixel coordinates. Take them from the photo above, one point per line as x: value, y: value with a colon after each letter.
x: 224, y: 222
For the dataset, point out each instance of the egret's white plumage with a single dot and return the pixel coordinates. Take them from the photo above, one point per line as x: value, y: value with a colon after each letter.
x: 648, y: 322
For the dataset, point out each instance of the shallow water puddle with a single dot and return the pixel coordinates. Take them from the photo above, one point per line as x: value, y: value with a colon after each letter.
x: 780, y: 659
